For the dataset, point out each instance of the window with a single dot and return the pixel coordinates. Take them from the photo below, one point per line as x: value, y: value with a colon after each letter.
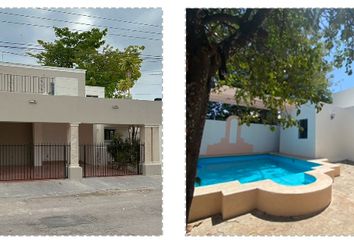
x: 303, y: 129
x: 109, y: 134
x: 93, y: 96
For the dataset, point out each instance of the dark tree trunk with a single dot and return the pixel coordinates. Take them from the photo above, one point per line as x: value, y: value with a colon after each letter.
x: 201, y: 67
x: 203, y: 62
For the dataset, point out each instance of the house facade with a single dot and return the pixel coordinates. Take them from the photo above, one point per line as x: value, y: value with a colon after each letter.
x: 326, y: 134
x: 51, y: 106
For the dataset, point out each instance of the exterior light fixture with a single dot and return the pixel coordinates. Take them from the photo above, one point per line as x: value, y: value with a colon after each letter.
x: 33, y: 101
x: 332, y: 116
x: 115, y: 107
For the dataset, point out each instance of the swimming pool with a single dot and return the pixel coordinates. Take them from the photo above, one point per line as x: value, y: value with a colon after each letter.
x: 272, y: 183
x: 251, y: 168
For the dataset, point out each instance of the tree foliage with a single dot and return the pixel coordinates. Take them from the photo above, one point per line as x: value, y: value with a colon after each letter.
x: 285, y: 65
x: 221, y: 111
x: 116, y: 70
x: 123, y: 151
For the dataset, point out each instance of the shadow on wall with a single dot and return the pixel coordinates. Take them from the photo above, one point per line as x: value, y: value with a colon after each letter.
x: 232, y: 143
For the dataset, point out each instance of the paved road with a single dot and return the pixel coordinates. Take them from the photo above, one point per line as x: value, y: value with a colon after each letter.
x: 95, y: 206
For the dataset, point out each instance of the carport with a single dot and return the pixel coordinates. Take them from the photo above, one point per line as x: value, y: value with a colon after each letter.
x: 63, y: 132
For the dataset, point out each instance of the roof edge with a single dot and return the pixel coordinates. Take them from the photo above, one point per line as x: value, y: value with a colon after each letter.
x: 50, y: 68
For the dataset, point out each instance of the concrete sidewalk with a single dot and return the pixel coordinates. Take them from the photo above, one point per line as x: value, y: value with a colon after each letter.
x: 43, y: 188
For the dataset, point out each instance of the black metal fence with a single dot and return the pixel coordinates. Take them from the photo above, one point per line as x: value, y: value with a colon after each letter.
x: 97, y: 161
x: 32, y: 162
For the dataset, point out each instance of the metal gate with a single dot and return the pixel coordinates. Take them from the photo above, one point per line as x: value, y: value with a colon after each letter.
x: 33, y: 162
x: 97, y: 161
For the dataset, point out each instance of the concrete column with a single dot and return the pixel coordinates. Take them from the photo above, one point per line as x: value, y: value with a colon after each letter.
x: 150, y: 136
x: 74, y: 171
x: 37, y: 129
x: 98, y: 133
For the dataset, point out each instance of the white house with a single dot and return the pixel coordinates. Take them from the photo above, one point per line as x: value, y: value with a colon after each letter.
x: 327, y: 134
x: 48, y: 115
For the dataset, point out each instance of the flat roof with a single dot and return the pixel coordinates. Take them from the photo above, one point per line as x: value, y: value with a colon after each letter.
x: 47, y: 68
x: 227, y: 95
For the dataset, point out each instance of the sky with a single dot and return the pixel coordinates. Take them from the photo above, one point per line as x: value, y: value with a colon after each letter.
x: 134, y: 26
x: 341, y: 81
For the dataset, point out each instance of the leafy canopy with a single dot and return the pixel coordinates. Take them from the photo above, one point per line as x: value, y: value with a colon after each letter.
x: 116, y: 70
x: 287, y: 62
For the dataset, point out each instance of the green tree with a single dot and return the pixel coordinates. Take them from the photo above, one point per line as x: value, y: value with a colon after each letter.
x: 276, y: 55
x: 111, y: 68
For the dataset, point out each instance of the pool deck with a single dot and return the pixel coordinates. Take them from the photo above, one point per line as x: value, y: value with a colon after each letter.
x: 336, y: 219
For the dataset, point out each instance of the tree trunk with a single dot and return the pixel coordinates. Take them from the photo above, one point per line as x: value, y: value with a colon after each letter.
x: 203, y: 62
x: 201, y: 67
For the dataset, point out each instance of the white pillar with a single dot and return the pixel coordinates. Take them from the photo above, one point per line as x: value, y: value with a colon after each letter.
x: 37, y: 129
x: 150, y: 136
x: 74, y: 171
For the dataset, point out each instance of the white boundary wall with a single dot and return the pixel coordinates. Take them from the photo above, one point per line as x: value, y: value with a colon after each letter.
x: 257, y: 137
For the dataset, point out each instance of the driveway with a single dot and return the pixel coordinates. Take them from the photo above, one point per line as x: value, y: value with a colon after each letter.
x: 129, y: 205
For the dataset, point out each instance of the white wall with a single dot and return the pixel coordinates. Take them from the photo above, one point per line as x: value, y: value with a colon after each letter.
x: 66, y: 86
x: 332, y: 133
x: 94, y: 91
x: 347, y: 134
x: 213, y: 132
x: 344, y: 98
x: 289, y: 138
x: 259, y: 136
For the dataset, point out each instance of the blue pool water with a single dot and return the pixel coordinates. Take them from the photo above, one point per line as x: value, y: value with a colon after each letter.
x: 252, y: 168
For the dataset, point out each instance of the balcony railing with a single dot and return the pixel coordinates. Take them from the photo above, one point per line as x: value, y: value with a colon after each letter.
x: 26, y: 84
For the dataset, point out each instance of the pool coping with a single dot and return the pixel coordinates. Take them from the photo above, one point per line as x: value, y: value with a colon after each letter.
x: 266, y: 195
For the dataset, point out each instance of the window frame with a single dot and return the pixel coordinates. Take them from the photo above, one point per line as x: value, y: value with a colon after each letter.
x: 111, y: 136
x: 303, y: 134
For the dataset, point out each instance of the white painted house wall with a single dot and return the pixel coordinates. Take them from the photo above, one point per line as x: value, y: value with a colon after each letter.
x: 94, y: 91
x: 348, y: 134
x: 259, y: 136
x: 330, y: 132
x: 344, y: 99
x: 66, y: 86
x: 289, y: 138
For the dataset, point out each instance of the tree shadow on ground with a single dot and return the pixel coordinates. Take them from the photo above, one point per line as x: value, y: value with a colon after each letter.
x: 271, y: 218
x: 347, y: 162
x: 217, y: 219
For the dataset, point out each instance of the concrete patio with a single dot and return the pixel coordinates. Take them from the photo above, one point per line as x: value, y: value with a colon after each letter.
x: 337, y: 219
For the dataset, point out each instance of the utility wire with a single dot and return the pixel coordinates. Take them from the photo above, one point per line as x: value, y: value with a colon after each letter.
x: 78, y: 23
x: 99, y: 17
x: 156, y: 59
x: 78, y: 30
x: 33, y: 46
x: 18, y: 54
x: 25, y: 44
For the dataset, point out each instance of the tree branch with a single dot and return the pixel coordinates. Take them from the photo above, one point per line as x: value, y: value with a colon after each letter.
x: 221, y: 17
x: 247, y: 30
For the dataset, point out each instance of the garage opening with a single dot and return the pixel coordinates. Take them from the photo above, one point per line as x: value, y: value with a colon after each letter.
x: 22, y: 159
